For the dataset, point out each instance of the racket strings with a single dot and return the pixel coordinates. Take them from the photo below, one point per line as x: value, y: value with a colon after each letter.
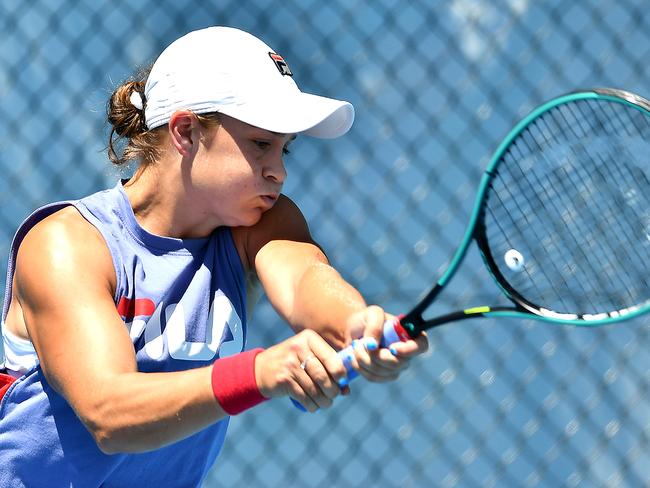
x: 521, y: 213
x: 588, y: 254
x: 630, y: 212
x: 610, y: 215
x: 629, y: 218
x: 542, y: 199
x: 571, y: 195
x: 604, y: 217
x: 560, y: 185
x: 597, y: 221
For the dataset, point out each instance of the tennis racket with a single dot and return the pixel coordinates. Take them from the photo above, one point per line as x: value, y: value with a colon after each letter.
x: 561, y: 219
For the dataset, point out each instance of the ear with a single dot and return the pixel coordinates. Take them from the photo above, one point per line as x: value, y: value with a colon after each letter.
x: 184, y: 133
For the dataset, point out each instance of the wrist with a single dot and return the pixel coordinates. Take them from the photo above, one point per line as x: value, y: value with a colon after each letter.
x: 234, y: 384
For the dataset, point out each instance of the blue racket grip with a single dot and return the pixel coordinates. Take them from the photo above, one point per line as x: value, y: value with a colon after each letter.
x: 392, y: 332
x: 298, y: 405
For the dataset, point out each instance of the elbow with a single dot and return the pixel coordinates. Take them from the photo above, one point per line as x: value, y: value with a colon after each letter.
x: 115, y: 441
x: 114, y: 437
x: 106, y: 436
x: 106, y: 444
x: 103, y: 426
x: 122, y: 441
x: 99, y: 416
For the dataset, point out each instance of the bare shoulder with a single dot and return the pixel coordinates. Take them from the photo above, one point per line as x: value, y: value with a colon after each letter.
x: 68, y: 247
x: 64, y: 284
x: 283, y: 222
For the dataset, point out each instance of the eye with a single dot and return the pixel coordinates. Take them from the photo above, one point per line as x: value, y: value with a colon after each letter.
x: 264, y: 145
x: 285, y: 149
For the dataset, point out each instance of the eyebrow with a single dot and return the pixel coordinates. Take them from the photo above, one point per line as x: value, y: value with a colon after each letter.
x: 277, y: 134
x: 280, y: 134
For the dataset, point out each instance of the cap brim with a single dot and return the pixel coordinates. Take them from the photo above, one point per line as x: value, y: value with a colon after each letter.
x: 313, y: 115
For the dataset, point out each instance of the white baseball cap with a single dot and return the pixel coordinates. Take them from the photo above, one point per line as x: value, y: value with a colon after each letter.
x: 226, y: 70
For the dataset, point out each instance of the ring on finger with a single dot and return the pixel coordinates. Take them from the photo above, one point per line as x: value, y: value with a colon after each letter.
x: 303, y: 365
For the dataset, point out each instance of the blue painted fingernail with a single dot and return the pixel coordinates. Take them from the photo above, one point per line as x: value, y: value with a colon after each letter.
x: 371, y: 344
x: 393, y: 351
x: 298, y: 405
x: 343, y: 382
x: 354, y: 343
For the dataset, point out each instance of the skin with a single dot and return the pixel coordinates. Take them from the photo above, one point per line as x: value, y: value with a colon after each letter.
x: 69, y: 314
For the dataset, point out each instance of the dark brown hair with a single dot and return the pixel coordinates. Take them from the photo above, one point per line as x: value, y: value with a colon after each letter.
x: 129, y: 139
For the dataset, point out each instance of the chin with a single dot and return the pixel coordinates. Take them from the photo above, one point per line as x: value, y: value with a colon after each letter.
x: 252, y: 218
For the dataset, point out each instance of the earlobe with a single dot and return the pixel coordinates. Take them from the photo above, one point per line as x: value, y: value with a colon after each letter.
x: 182, y: 125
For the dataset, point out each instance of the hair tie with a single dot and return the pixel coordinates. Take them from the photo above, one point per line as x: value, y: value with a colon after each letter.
x: 137, y: 99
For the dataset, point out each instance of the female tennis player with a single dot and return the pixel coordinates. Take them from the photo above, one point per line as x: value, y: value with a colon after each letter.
x: 124, y: 322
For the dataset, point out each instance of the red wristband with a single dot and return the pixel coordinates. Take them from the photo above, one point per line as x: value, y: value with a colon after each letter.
x: 233, y: 382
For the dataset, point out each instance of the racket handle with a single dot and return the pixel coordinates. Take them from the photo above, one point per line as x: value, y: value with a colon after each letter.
x: 393, y: 332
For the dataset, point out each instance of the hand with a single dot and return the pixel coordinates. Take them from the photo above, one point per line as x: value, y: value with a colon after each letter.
x: 304, y: 367
x: 386, y: 363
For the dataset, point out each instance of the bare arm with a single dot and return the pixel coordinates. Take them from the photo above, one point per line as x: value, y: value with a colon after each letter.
x: 307, y: 291
x: 311, y: 294
x: 296, y: 275
x: 64, y: 284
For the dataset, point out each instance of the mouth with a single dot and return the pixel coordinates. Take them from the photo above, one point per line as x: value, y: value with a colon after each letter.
x: 269, y: 200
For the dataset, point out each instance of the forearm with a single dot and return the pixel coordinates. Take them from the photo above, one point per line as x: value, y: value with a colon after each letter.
x: 137, y: 412
x: 324, y: 302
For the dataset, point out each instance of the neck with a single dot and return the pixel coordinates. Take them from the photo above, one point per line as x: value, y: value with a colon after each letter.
x: 162, y: 206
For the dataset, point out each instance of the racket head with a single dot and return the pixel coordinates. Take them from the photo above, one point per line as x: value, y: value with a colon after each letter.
x: 562, y: 218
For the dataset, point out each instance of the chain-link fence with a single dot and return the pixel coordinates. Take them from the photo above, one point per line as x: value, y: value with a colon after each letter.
x: 436, y: 84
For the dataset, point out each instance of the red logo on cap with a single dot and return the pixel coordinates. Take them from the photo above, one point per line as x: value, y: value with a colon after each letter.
x: 281, y: 64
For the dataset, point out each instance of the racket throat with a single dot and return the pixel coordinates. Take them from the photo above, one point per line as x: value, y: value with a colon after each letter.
x: 456, y: 316
x: 413, y: 321
x: 468, y: 313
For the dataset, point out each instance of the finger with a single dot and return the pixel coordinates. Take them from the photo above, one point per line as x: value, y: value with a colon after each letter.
x: 298, y: 388
x: 303, y: 401
x: 411, y: 348
x: 374, y: 323
x: 310, y: 390
x: 323, y: 380
x: 324, y: 371
x: 379, y: 358
x: 376, y: 365
x: 330, y: 363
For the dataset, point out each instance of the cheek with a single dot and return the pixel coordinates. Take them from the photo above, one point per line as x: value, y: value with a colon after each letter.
x: 222, y: 175
x: 231, y: 193
x: 233, y: 169
x: 236, y: 188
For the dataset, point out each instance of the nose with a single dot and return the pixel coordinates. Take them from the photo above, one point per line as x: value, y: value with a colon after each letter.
x: 274, y: 170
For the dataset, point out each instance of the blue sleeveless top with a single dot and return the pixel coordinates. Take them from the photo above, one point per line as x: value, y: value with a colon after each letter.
x: 184, y: 305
